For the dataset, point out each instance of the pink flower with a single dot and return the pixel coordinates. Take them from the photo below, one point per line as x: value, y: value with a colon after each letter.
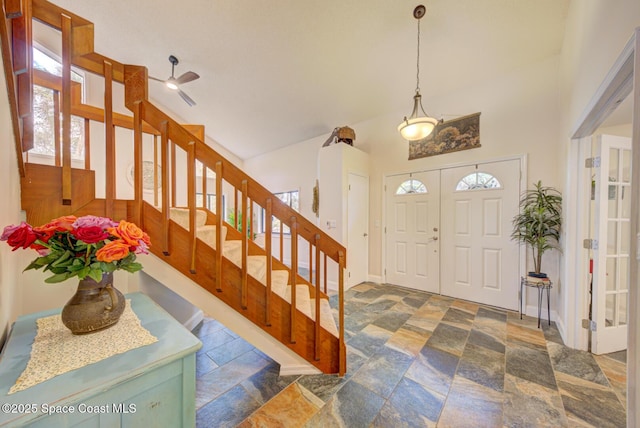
x: 143, y: 248
x: 94, y: 221
x: 8, y: 231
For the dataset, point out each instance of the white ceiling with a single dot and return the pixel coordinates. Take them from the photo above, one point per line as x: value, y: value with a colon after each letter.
x: 278, y: 72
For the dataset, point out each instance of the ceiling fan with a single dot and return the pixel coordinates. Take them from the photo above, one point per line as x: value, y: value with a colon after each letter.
x: 174, y: 83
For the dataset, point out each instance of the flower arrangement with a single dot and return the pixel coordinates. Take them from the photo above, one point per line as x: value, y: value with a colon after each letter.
x: 84, y: 247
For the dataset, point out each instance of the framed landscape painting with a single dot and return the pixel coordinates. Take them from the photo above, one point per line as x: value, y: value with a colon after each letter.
x: 454, y: 135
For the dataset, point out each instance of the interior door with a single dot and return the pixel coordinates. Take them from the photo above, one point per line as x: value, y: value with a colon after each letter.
x: 412, y: 230
x: 479, y: 261
x: 612, y: 211
x: 358, y: 230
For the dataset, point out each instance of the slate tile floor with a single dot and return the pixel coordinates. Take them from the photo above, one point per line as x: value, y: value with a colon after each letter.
x: 415, y: 360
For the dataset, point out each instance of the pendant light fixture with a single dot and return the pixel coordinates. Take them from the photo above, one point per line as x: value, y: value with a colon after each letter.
x: 417, y: 127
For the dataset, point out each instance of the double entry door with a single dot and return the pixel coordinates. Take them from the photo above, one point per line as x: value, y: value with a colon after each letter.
x: 448, y: 232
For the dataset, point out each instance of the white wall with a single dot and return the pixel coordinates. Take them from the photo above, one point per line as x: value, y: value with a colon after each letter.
x: 10, y: 280
x: 596, y: 32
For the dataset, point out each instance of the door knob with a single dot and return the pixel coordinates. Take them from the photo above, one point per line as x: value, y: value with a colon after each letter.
x: 365, y: 235
x: 435, y: 229
x: 435, y: 238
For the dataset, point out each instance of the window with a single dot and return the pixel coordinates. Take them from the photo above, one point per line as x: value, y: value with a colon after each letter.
x: 411, y: 186
x: 290, y: 198
x: 478, y: 180
x: 43, y: 111
x: 211, y: 203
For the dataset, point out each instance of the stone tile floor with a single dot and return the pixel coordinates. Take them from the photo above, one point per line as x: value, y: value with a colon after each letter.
x: 416, y: 359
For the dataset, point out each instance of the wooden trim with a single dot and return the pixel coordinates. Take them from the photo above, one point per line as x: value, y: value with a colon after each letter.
x: 66, y: 109
x: 174, y: 196
x: 155, y: 171
x: 235, y: 209
x: 109, y: 140
x: 325, y: 273
x: 281, y: 243
x: 311, y: 262
x: 343, y: 350
x: 204, y: 187
x: 11, y: 91
x: 13, y: 8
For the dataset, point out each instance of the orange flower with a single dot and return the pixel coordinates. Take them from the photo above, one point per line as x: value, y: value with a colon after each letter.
x: 113, y: 251
x: 129, y: 233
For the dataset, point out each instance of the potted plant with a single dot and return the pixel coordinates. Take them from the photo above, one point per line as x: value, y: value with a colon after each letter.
x: 538, y: 223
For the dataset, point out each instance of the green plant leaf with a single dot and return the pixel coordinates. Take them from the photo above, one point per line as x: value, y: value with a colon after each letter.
x: 58, y: 278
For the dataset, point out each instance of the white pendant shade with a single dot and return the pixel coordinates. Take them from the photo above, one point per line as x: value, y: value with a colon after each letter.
x: 418, y: 128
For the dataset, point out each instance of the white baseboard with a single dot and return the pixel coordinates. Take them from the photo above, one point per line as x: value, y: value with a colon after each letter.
x: 293, y: 369
x: 532, y: 311
x: 375, y: 278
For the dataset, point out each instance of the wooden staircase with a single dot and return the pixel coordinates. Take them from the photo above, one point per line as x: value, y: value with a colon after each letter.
x: 229, y: 264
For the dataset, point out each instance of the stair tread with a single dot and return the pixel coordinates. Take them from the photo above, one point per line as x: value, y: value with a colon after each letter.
x: 327, y: 321
x: 181, y: 216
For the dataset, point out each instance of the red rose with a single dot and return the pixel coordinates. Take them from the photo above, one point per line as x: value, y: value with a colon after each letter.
x: 90, y: 234
x: 22, y: 237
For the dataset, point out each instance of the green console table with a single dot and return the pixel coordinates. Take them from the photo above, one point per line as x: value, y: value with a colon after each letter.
x: 150, y: 386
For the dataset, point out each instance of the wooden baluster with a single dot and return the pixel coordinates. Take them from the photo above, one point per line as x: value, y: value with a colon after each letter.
x: 164, y: 143
x: 56, y: 128
x: 191, y: 201
x: 325, y: 273
x: 343, y: 350
x: 268, y: 222
x: 109, y: 141
x: 66, y: 109
x: 137, y: 162
x: 155, y: 171
x: 294, y: 273
x: 281, y: 242
x: 317, y: 297
x: 235, y: 208
x: 87, y: 144
x: 22, y: 50
x: 174, y: 198
x: 250, y: 229
x: 204, y: 187
x: 245, y: 244
x: 219, y: 223
x: 311, y: 262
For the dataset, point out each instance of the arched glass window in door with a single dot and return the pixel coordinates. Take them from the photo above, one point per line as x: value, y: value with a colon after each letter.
x: 411, y: 186
x: 478, y: 180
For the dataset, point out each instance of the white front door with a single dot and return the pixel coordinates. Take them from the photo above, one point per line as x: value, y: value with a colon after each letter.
x: 357, y: 230
x: 412, y: 223
x: 612, y: 210
x: 480, y: 262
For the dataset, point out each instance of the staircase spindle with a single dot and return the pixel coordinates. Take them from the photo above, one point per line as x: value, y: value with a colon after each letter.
x: 87, y: 141
x: 310, y: 262
x: 219, y: 223
x: 110, y: 142
x: 317, y: 297
x: 325, y: 273
x: 155, y: 171
x: 22, y: 50
x: 66, y: 109
x: 57, y: 139
x: 281, y: 242
x: 343, y: 350
x: 174, y: 197
x: 137, y: 162
x: 191, y: 202
x: 245, y: 244
x: 164, y: 147
x: 294, y: 273
x: 204, y: 186
x: 268, y: 235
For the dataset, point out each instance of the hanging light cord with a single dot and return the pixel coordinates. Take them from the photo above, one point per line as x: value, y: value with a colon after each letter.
x: 418, y: 62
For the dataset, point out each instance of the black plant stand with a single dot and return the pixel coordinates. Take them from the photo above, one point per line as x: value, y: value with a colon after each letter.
x: 541, y: 286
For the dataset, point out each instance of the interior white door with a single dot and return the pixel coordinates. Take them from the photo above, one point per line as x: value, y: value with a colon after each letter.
x: 612, y: 211
x: 358, y: 230
x: 412, y: 230
x: 479, y: 261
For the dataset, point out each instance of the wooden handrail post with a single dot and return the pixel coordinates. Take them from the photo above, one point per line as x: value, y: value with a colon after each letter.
x: 174, y: 197
x: 204, y: 187
x: 294, y: 273
x: 109, y: 140
x: 87, y: 144
x: 219, y: 225
x: 137, y: 162
x: 267, y: 221
x: 245, y: 244
x: 164, y: 143
x: 191, y: 202
x: 325, y: 273
x: 56, y: 129
x: 317, y: 297
x: 66, y: 109
x: 343, y: 350
x: 155, y: 171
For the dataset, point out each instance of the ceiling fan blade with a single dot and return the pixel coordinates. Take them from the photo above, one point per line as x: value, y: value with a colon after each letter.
x: 187, y: 77
x: 186, y: 98
x: 155, y: 78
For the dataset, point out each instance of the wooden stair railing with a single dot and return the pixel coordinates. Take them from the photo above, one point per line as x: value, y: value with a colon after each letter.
x: 181, y: 148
